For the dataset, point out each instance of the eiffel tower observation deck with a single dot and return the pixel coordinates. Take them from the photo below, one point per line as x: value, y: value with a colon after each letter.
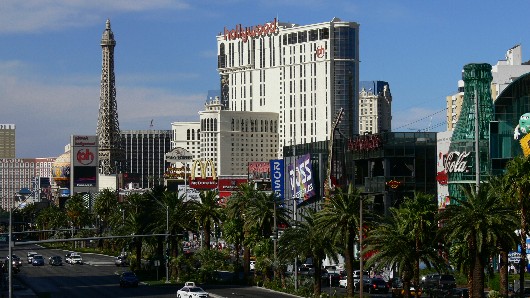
x: 477, y: 81
x: 108, y: 130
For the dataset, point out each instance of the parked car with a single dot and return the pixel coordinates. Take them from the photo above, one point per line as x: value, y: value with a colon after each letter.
x: 377, y: 285
x: 366, y: 283
x: 37, y: 260
x: 464, y: 293
x: 121, y: 261
x: 30, y: 256
x: 438, y: 284
x: 192, y: 291
x: 128, y: 279
x: 55, y: 261
x: 398, y: 291
x: 333, y: 278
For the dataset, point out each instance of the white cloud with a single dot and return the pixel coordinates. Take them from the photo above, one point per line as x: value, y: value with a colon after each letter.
x: 46, y: 114
x: 51, y: 15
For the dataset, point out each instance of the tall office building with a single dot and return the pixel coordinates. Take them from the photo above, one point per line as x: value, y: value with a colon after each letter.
x: 145, y: 155
x: 7, y: 141
x: 305, y: 73
x: 108, y: 129
x: 375, y: 107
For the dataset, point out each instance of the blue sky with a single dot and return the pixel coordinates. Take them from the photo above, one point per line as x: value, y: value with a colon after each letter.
x: 165, y: 57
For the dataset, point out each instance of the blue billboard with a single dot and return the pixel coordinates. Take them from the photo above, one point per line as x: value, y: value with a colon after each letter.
x: 301, y: 178
x: 277, y: 177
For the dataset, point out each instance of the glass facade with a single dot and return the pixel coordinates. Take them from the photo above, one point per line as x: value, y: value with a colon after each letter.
x: 345, y: 77
x: 513, y: 102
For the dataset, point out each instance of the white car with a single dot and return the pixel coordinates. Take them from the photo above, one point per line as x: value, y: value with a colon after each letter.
x: 343, y: 283
x: 191, y: 291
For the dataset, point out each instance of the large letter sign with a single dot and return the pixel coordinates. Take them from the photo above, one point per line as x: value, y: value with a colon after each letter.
x: 277, y: 177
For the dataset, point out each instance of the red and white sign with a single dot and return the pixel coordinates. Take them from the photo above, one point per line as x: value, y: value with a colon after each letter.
x: 255, y: 31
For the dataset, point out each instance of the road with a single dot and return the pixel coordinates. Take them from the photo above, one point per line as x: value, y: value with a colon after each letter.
x: 99, y: 278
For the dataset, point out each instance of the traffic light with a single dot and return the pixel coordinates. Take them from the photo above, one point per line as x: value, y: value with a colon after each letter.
x: 167, y: 253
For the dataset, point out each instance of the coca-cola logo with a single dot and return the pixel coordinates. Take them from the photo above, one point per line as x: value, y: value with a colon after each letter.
x: 456, y: 162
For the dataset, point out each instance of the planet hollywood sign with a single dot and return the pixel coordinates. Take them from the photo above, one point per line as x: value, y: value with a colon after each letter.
x: 255, y: 31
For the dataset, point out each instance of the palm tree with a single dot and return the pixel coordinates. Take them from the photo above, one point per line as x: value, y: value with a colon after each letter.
x: 339, y: 221
x: 306, y: 240
x: 418, y: 215
x: 517, y: 174
x: 499, y: 187
x: 263, y: 212
x: 480, y: 220
x: 207, y: 213
x: 406, y: 238
x: 236, y: 207
x: 391, y: 240
x: 138, y: 220
x: 105, y: 205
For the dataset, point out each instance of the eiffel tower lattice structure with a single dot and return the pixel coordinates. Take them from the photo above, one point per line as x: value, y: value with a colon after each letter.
x: 108, y: 130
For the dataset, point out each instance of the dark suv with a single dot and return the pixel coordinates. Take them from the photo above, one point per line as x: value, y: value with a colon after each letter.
x: 437, y: 283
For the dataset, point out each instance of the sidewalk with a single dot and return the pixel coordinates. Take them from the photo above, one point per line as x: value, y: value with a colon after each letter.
x: 19, y: 290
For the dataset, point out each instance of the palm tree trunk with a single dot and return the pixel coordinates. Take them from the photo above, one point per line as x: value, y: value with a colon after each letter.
x: 478, y: 277
x: 503, y: 270
x: 246, y: 262
x: 317, y: 286
x: 207, y: 230
x: 139, y: 252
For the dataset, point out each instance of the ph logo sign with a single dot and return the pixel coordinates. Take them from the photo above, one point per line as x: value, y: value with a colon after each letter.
x: 85, y: 157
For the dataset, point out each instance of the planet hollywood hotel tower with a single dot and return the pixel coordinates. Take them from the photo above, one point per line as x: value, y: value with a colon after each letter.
x: 306, y: 73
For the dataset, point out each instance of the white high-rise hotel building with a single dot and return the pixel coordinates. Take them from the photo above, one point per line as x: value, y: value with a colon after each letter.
x: 305, y: 73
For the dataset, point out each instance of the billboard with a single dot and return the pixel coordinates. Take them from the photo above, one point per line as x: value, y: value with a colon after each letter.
x: 301, y: 178
x: 227, y: 186
x: 443, y: 141
x: 277, y: 177
x: 258, y: 170
x: 84, y: 161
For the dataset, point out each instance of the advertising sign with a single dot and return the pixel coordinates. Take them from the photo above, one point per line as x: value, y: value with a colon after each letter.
x: 179, y: 155
x: 193, y: 194
x: 443, y: 141
x: 204, y: 168
x: 301, y: 178
x: 277, y: 177
x: 259, y: 170
x: 84, y: 159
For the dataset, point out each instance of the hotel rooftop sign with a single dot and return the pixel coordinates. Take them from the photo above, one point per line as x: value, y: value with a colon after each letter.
x: 255, y: 31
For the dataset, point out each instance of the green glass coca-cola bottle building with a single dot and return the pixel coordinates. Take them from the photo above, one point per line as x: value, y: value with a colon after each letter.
x: 462, y: 153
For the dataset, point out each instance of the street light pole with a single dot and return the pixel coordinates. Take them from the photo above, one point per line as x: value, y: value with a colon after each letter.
x: 167, y: 243
x: 10, y: 266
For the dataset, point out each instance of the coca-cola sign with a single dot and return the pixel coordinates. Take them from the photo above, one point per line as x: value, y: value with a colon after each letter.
x: 456, y: 162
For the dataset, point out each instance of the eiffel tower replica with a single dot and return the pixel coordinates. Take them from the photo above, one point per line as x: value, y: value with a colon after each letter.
x: 108, y: 130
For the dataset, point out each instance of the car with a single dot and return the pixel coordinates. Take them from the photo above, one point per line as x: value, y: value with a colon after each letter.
x: 68, y: 257
x: 55, y: 261
x: 366, y: 282
x: 37, y: 260
x: 30, y: 256
x: 16, y: 260
x: 332, y: 278
x: 464, y: 293
x: 121, y: 261
x: 128, y: 279
x: 398, y: 291
x: 377, y: 285
x: 190, y: 290
x: 76, y: 259
x: 438, y: 284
